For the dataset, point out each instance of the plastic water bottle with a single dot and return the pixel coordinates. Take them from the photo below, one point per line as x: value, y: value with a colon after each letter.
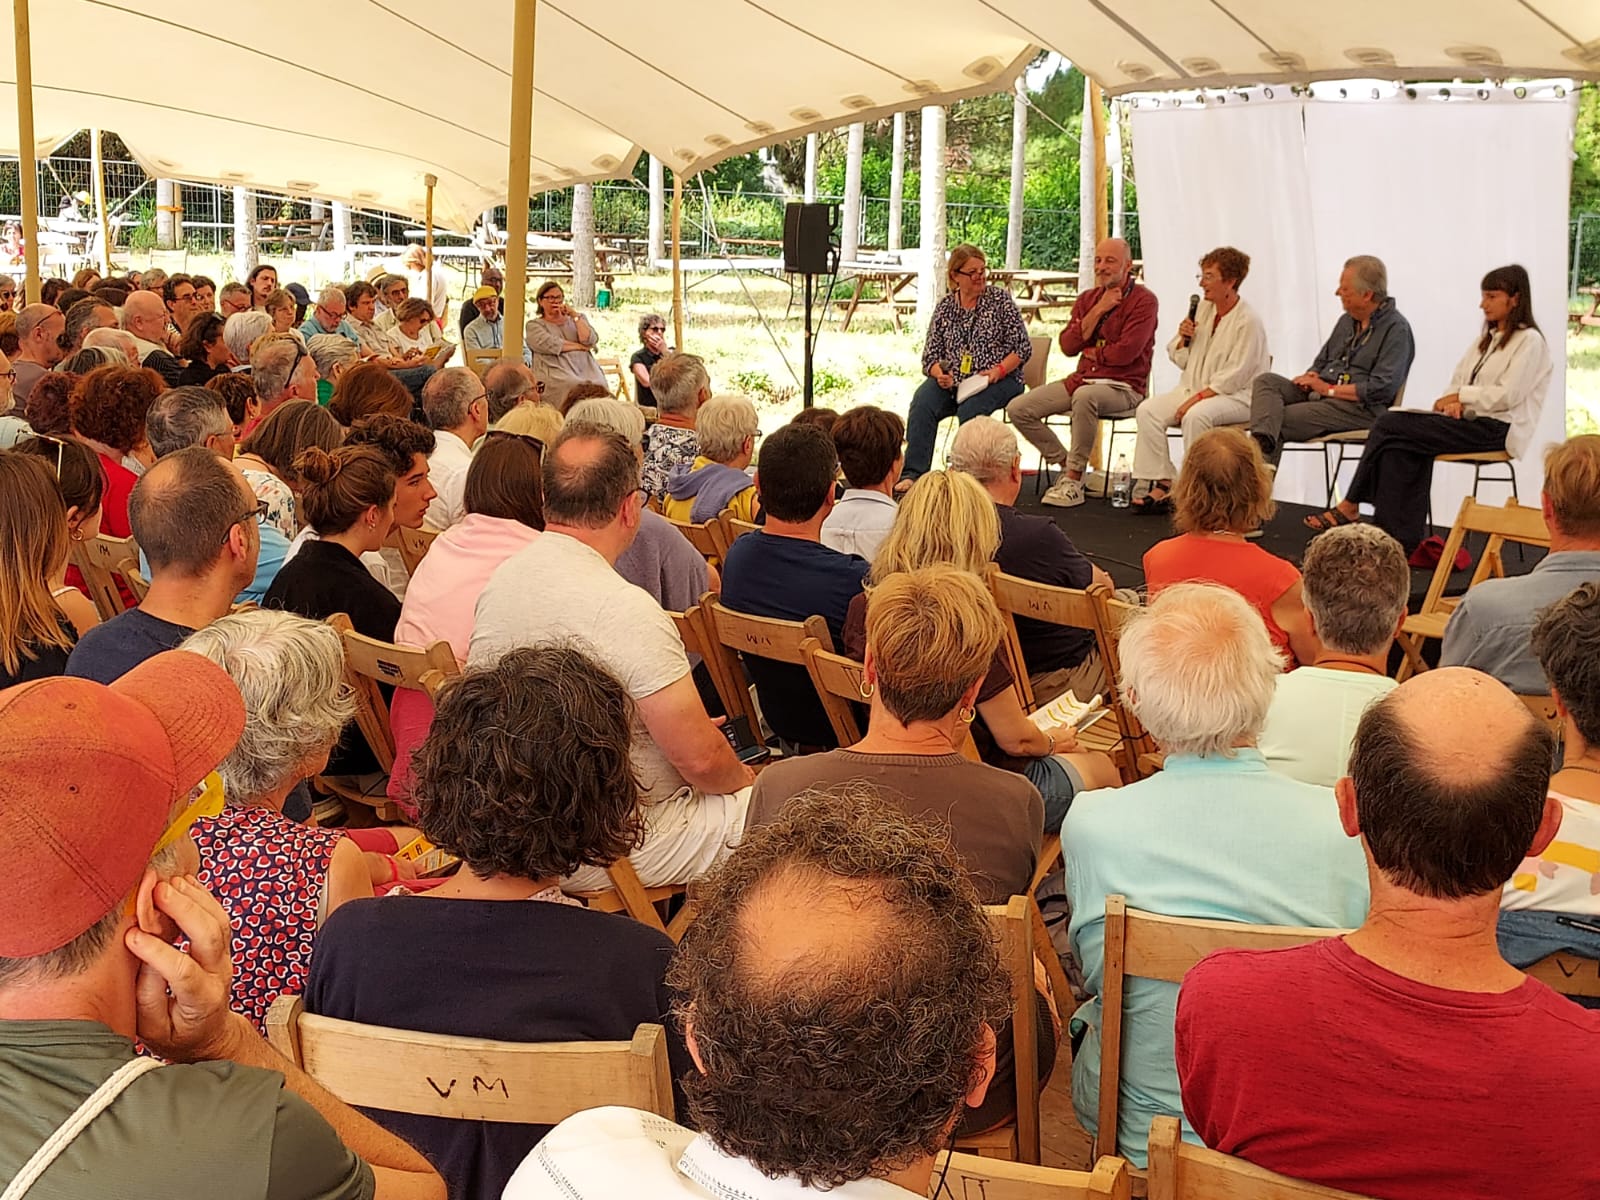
x: 1121, y: 484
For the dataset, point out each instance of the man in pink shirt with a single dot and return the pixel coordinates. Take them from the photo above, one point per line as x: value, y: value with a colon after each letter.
x: 1408, y: 1059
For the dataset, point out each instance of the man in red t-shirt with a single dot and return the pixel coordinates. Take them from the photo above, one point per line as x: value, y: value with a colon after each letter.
x: 1408, y: 1059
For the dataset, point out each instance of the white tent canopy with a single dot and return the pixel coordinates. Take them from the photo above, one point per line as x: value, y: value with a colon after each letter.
x: 357, y: 100
x: 1145, y: 45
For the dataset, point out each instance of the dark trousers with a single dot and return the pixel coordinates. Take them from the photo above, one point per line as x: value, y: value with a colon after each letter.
x: 1396, y: 468
x: 932, y: 404
x: 1281, y: 412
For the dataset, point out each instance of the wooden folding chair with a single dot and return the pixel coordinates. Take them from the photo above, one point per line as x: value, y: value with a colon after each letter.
x: 1113, y: 614
x: 1144, y: 945
x: 617, y: 374
x: 128, y: 568
x: 369, y: 662
x: 968, y: 1177
x: 695, y: 631
x: 707, y: 537
x: 414, y: 545
x: 1568, y: 974
x: 628, y: 894
x: 99, y: 561
x: 733, y: 528
x: 1076, y: 609
x: 1179, y: 1171
x: 735, y: 633
x: 472, y: 1079
x: 1510, y: 523
x: 1018, y: 1139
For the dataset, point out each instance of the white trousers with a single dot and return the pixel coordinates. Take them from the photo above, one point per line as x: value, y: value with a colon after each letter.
x: 684, y: 836
x: 1151, y: 456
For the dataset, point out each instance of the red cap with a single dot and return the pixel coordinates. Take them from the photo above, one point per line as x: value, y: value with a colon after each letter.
x: 89, y: 779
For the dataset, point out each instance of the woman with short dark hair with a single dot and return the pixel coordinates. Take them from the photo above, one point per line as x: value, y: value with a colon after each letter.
x: 525, y: 777
x: 204, y: 347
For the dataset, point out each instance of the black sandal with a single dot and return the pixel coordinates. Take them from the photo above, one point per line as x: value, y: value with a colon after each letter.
x: 1324, y: 521
x: 1151, y: 505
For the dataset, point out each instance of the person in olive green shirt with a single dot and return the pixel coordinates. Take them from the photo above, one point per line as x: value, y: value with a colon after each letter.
x: 98, y: 789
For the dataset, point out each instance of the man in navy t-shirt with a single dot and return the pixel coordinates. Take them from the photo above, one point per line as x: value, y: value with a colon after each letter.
x: 785, y: 571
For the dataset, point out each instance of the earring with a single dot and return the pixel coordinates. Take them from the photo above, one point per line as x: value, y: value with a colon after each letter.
x: 866, y: 689
x: 967, y: 714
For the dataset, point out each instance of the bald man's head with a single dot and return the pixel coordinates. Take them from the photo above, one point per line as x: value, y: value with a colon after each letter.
x: 1450, y: 772
x: 1112, y: 261
x: 184, y: 508
x: 144, y: 315
x: 590, y: 472
x: 841, y: 958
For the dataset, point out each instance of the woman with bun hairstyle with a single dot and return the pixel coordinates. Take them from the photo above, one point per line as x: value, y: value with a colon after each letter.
x: 347, y: 497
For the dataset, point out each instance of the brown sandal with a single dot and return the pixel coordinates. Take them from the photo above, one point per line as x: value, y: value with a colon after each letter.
x: 1324, y: 521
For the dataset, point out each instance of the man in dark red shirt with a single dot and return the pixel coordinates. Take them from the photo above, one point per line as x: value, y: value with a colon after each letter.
x: 1408, y: 1059
x: 1113, y: 333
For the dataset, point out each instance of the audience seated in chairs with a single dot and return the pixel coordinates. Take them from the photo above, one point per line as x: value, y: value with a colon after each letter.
x: 282, y: 370
x: 1357, y: 586
x: 681, y: 385
x: 36, y: 633
x: 562, y: 587
x: 108, y: 409
x: 1357, y: 1061
x: 947, y: 518
x: 1214, y: 834
x: 1220, y: 351
x: 840, y: 958
x: 1500, y: 383
x: 526, y: 777
x: 911, y: 757
x: 1550, y: 904
x: 1034, y: 547
x: 659, y: 559
x: 1112, y: 334
x: 195, y: 519
x: 92, y: 776
x: 277, y: 878
x: 407, y: 445
x: 192, y: 416
x: 505, y: 512
x: 867, y: 440
x: 457, y: 408
x: 1359, y: 372
x: 1223, y: 496
x: 717, y: 480
x: 784, y: 571
x: 1490, y: 628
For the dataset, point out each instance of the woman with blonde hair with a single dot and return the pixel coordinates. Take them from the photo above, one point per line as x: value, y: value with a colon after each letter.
x: 542, y: 421
x: 921, y: 704
x: 1223, y: 494
x: 948, y: 519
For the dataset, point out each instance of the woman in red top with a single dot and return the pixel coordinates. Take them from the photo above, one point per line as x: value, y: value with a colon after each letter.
x: 1224, y: 493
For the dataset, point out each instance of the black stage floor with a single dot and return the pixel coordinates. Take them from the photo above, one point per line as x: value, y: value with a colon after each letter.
x: 1116, y: 539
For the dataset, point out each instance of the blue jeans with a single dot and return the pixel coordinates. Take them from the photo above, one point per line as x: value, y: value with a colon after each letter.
x: 932, y: 404
x: 1058, y: 782
x: 1527, y: 935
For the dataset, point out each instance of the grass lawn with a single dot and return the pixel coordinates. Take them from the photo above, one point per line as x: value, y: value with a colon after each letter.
x: 738, y: 326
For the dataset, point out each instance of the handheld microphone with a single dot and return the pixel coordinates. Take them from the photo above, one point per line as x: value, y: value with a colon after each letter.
x: 1194, y: 307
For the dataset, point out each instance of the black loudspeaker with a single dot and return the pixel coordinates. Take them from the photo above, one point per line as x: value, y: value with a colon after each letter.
x: 811, y: 239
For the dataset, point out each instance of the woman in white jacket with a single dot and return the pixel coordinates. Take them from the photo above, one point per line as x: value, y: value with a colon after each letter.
x: 1494, y: 400
x: 1220, y: 352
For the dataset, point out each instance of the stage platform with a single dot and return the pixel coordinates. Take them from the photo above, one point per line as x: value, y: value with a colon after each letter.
x: 1116, y: 540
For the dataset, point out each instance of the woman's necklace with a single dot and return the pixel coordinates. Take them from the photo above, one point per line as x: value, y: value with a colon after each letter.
x: 1348, y: 664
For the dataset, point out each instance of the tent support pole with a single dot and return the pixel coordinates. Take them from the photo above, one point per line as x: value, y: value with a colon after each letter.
x: 98, y: 166
x: 518, y: 171
x: 429, y: 181
x: 1101, y: 223
x: 677, y: 259
x: 28, y: 166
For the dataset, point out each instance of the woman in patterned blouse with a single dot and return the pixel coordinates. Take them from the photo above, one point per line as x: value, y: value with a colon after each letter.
x: 976, y: 330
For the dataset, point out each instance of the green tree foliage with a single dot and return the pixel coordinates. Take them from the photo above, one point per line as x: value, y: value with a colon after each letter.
x: 1586, y: 151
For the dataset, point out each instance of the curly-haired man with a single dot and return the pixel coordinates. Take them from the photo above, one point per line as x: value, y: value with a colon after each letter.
x: 835, y: 1053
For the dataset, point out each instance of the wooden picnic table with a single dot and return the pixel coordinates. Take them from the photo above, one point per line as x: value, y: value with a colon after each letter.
x: 1035, y: 289
x: 305, y: 232
x: 892, y: 277
x: 1591, y: 318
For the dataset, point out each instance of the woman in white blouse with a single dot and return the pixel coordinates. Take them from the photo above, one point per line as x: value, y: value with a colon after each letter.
x: 415, y: 328
x: 1220, y: 350
x: 1494, y: 400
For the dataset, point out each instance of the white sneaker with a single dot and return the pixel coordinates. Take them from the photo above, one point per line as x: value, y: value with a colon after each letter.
x: 1064, y: 493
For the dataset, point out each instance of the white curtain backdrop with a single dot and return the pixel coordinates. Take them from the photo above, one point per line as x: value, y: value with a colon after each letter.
x: 1442, y: 188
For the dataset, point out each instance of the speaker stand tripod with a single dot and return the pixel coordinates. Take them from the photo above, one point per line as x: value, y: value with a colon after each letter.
x: 810, y: 344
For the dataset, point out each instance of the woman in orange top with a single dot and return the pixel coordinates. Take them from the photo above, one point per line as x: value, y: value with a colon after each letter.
x: 1223, y: 493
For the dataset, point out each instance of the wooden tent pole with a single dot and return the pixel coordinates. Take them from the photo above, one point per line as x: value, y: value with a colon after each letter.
x: 1101, y: 215
x: 98, y: 166
x: 677, y: 259
x: 518, y: 170
x: 28, y: 167
x: 429, y: 181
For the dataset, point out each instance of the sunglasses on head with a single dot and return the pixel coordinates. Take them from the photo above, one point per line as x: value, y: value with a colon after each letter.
x: 205, y: 800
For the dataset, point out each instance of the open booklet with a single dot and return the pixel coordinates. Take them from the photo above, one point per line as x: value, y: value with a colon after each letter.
x: 970, y: 387
x: 1066, y: 709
